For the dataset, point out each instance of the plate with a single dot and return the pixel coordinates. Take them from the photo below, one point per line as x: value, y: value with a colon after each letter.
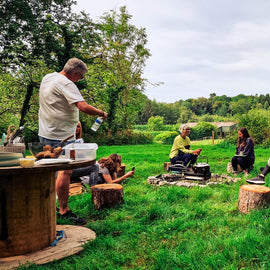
x: 5, y: 156
x: 46, y: 161
x: 8, y: 163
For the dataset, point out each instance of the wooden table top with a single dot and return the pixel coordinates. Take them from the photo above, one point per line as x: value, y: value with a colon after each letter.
x: 47, y: 168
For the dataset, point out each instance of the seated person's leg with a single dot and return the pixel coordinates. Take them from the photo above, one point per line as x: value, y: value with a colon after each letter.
x: 177, y: 158
x: 234, y: 163
x: 93, y: 177
x: 77, y: 173
x: 243, y: 162
x: 266, y: 169
x: 193, y: 159
x: 259, y: 179
x: 89, y: 175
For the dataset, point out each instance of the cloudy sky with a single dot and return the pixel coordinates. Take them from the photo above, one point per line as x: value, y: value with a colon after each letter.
x: 200, y: 47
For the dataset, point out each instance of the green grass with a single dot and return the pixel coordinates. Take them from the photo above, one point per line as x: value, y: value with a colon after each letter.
x: 172, y: 227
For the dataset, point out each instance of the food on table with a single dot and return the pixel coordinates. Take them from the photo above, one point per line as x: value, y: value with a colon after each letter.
x: 27, y: 162
x: 49, y: 152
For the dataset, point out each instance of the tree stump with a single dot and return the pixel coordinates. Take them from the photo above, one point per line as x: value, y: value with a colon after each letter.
x: 166, y: 165
x: 106, y: 195
x: 75, y: 189
x: 253, y: 197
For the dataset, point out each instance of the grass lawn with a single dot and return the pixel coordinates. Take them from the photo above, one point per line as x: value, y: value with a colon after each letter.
x: 172, y: 227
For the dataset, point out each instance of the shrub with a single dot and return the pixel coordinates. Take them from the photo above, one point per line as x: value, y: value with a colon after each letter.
x: 202, y: 129
x: 257, y: 123
x: 140, y: 127
x: 155, y: 123
x: 120, y: 138
x: 166, y: 137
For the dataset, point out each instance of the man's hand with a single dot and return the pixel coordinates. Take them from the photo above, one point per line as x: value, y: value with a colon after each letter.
x: 197, y: 151
x: 104, y: 116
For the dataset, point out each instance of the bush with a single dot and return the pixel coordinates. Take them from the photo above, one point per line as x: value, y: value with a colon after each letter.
x: 166, y: 137
x: 155, y: 123
x: 202, y: 129
x: 140, y: 127
x: 257, y: 123
x: 120, y: 138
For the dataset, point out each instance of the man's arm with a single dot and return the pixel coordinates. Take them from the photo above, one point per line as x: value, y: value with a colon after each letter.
x: 88, y: 109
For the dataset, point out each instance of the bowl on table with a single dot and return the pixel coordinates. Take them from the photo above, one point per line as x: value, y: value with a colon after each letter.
x: 43, y: 150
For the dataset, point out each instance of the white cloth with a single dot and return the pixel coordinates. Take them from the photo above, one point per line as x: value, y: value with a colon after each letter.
x: 58, y: 115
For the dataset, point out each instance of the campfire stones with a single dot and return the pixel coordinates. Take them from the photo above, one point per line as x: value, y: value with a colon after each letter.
x: 179, y: 180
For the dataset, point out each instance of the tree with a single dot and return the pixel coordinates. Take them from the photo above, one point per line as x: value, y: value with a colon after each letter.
x: 122, y: 59
x: 38, y: 32
x: 240, y: 106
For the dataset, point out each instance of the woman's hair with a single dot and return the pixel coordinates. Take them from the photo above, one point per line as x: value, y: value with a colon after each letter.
x: 79, y: 131
x: 112, y: 163
x: 243, y: 140
x: 182, y: 128
x: 74, y: 65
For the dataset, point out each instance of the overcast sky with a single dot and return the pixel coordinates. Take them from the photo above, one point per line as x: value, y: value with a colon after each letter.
x: 200, y: 47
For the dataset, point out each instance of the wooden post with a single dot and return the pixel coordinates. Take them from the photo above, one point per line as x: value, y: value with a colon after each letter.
x: 213, y: 137
x: 106, y: 195
x: 166, y: 165
x: 253, y: 197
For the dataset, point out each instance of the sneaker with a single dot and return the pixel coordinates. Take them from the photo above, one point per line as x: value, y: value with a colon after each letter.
x: 72, y: 217
x: 259, y: 180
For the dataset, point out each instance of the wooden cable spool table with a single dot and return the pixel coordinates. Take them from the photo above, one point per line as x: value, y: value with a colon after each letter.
x: 28, y: 206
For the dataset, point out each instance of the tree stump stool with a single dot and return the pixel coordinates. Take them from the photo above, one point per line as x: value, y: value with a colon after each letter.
x: 253, y: 197
x: 166, y: 165
x: 106, y: 195
x: 75, y: 189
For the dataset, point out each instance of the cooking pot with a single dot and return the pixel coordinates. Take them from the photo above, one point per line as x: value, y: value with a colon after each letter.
x: 201, y: 168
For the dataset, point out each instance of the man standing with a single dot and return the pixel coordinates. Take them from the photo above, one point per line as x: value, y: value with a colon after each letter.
x: 181, y: 149
x: 60, y: 102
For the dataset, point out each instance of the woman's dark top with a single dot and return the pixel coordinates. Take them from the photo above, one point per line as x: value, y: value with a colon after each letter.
x: 248, y: 149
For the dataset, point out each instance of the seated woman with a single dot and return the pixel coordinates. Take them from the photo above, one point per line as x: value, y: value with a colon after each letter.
x: 108, y: 168
x: 244, y: 156
x: 181, y: 149
x: 104, y: 171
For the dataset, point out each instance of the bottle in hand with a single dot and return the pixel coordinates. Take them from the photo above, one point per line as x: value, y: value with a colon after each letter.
x: 97, y: 123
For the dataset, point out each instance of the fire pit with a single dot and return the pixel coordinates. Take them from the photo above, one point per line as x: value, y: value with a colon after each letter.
x: 179, y: 180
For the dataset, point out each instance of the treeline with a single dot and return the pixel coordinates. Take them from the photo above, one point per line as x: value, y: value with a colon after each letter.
x: 212, y: 109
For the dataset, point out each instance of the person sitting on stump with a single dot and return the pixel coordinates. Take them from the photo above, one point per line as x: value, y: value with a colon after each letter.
x: 108, y: 168
x: 181, y: 149
x: 244, y: 155
x: 260, y: 179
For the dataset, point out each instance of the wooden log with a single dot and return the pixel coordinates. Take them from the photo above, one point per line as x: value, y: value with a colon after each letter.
x: 106, y: 195
x: 75, y: 189
x: 166, y: 165
x: 253, y: 197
